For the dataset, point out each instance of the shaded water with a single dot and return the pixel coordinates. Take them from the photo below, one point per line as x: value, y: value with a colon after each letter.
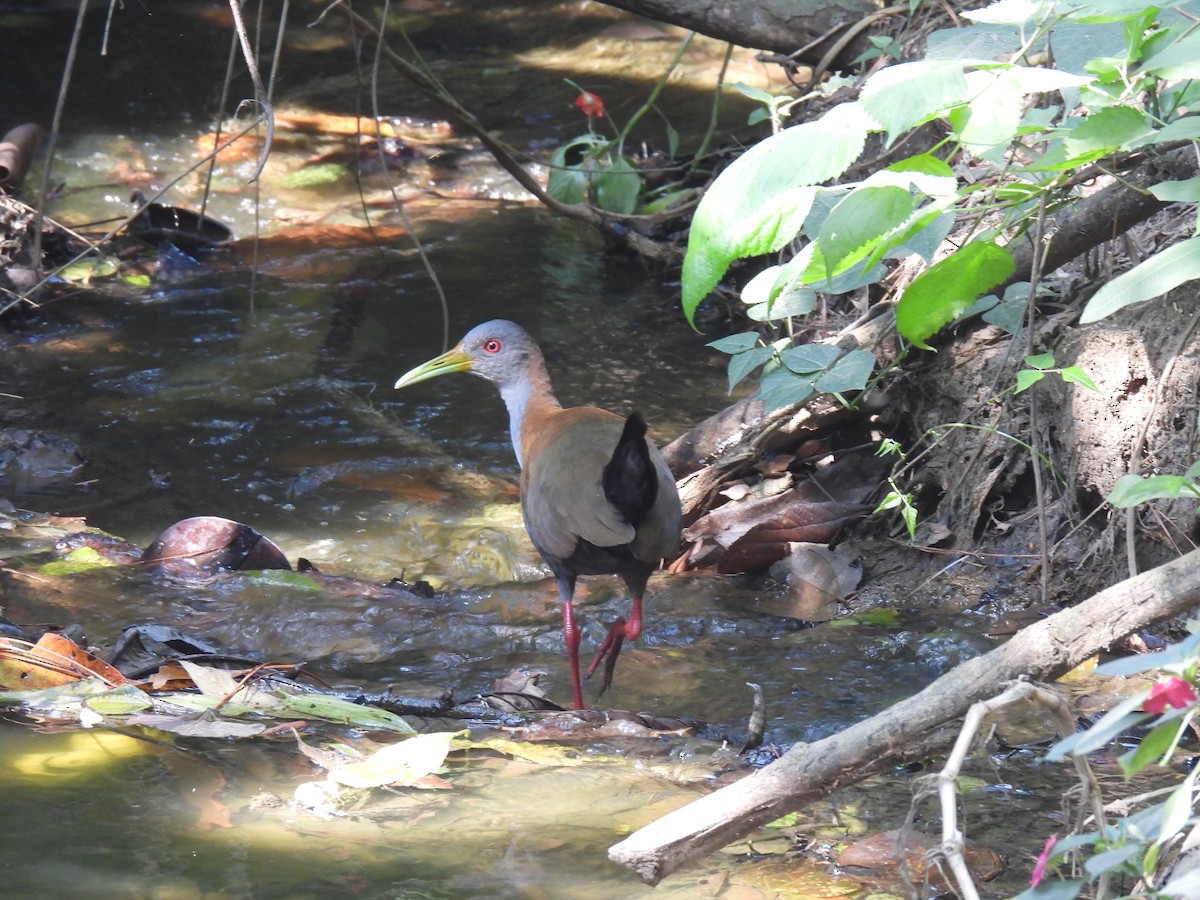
x: 266, y: 398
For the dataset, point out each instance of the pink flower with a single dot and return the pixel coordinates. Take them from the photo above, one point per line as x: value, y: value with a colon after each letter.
x: 1173, y: 692
x: 1039, y: 868
x: 590, y: 103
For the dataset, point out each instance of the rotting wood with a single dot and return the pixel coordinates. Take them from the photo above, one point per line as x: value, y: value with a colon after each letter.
x: 1042, y: 651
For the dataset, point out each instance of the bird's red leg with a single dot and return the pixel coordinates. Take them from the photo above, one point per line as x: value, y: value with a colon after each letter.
x: 618, y: 631
x: 571, y: 639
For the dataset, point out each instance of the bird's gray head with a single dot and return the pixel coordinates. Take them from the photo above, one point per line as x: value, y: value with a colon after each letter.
x: 499, y: 350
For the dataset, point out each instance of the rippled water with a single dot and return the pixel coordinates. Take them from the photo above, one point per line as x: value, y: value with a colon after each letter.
x: 266, y: 398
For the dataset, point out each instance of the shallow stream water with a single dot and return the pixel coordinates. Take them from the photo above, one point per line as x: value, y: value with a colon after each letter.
x: 263, y: 394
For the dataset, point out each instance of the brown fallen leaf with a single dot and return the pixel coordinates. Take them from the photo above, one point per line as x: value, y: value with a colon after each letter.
x: 53, y: 661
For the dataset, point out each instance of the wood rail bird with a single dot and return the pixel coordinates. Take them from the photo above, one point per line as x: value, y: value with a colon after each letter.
x: 596, y: 496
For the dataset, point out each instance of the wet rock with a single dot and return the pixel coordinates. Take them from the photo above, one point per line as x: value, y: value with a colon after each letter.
x: 28, y: 456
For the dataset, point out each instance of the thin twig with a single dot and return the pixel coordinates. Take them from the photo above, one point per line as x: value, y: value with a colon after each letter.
x: 397, y: 203
x: 260, y: 94
x: 52, y: 139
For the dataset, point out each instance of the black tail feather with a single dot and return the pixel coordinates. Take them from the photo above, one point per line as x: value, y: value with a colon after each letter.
x: 630, y: 481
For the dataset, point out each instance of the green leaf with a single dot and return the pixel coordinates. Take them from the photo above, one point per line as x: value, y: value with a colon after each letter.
x: 742, y: 364
x: 1179, y: 60
x: 736, y: 343
x: 314, y: 704
x: 1152, y: 748
x: 1112, y: 860
x: 137, y: 280
x: 1008, y: 12
x: 81, y: 559
x: 1040, y: 361
x: 795, y: 302
x: 1186, y: 191
x: 616, y: 188
x: 1178, y: 264
x: 1009, y: 313
x: 567, y: 185
x: 902, y: 96
x: 1053, y: 890
x: 783, y: 387
x: 850, y: 373
x: 1122, y: 717
x: 989, y: 122
x: 1076, y: 375
x: 1027, y: 378
x: 944, y: 290
x: 1177, y: 809
x: 757, y: 204
x: 863, y: 216
x: 314, y: 176
x: 1105, y: 131
x: 808, y: 358
x: 1130, y: 490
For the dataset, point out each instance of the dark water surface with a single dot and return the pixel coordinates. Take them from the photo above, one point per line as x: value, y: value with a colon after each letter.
x: 266, y: 398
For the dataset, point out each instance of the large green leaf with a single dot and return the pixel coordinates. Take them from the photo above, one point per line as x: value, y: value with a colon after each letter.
x: 864, y: 216
x: 1178, y: 264
x: 946, y: 289
x: 1106, y: 130
x: 989, y: 122
x: 758, y: 204
x: 902, y: 96
x: 1179, y: 60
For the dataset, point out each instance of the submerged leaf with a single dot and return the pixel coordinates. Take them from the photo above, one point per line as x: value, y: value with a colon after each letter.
x: 403, y: 763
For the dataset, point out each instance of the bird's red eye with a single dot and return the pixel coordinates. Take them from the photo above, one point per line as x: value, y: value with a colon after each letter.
x: 491, y: 345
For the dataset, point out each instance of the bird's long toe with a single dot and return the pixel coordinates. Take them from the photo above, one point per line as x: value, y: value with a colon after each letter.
x: 608, y: 651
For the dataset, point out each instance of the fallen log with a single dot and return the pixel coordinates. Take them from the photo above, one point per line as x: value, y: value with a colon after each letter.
x: 912, y: 727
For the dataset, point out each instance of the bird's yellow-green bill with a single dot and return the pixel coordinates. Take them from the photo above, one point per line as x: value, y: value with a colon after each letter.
x: 451, y: 361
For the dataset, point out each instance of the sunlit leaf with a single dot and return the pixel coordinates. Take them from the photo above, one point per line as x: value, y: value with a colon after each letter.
x: 863, y: 216
x: 81, y: 559
x: 759, y: 202
x: 899, y: 97
x: 1008, y: 12
x: 947, y: 288
x: 1165, y: 271
x: 1076, y: 375
x: 1027, y: 378
x: 1106, y: 130
x: 1179, y: 60
x: 1151, y: 748
x: 989, y: 122
x: 402, y: 763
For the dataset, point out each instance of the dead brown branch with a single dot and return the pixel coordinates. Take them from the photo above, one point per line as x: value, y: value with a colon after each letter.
x: 911, y: 728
